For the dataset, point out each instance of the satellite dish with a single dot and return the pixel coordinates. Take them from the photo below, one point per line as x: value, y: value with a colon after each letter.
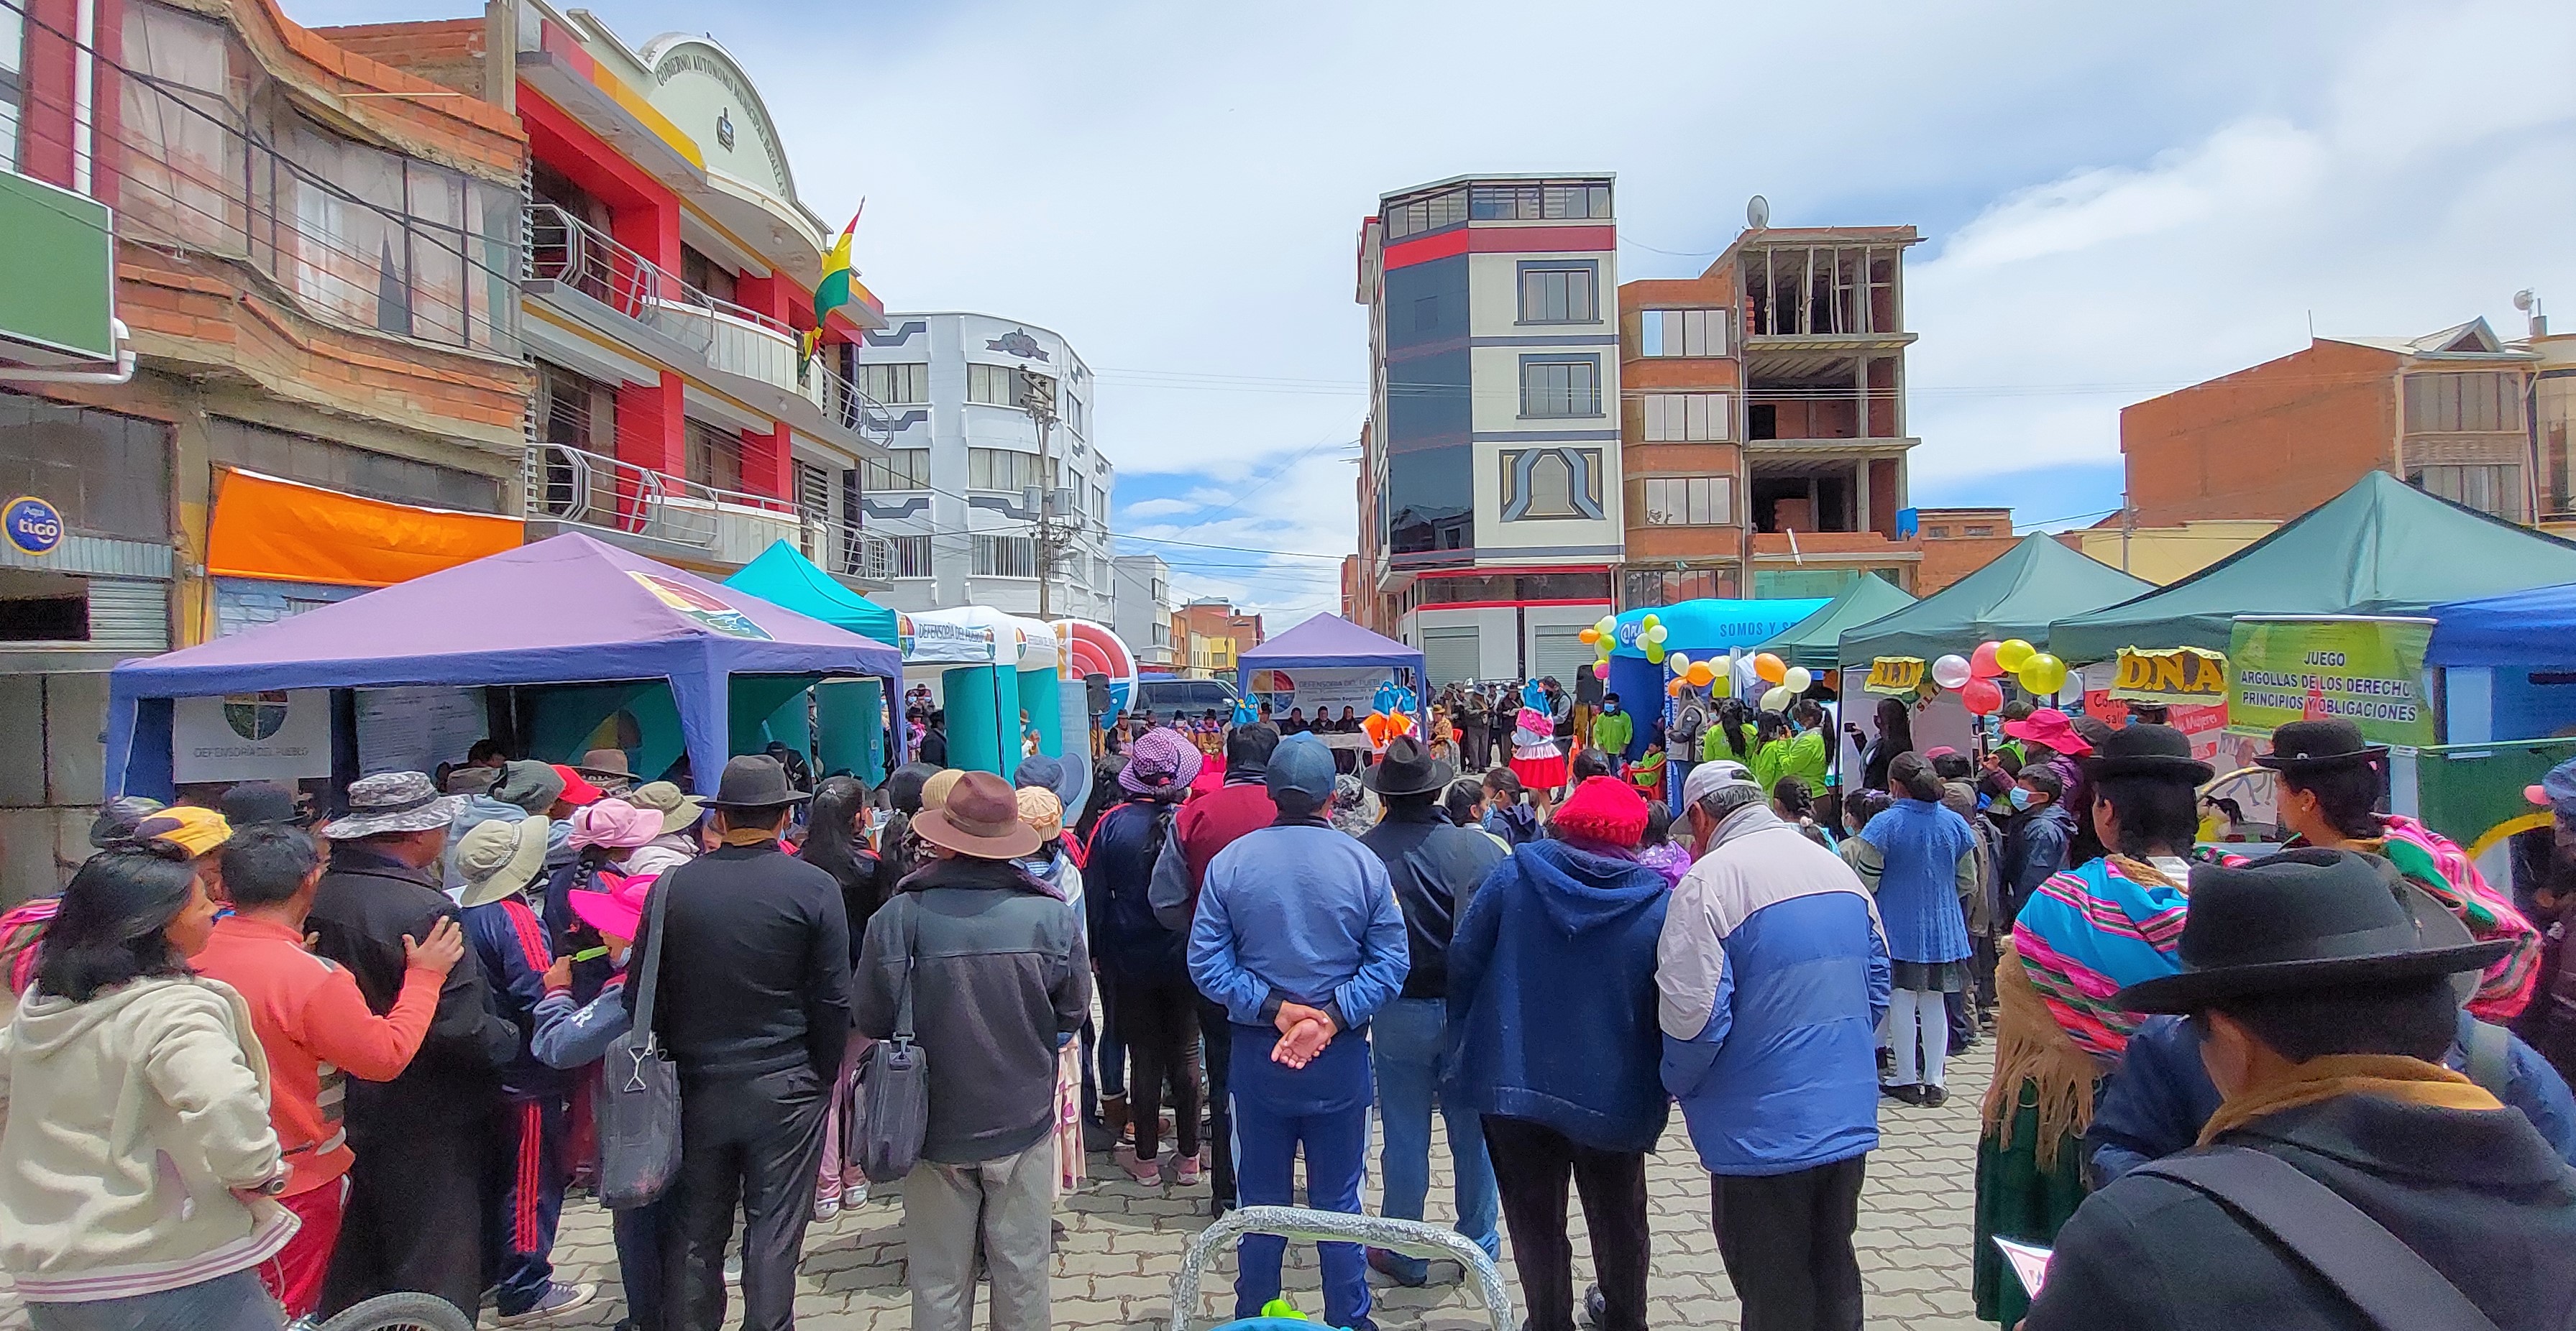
x: 2523, y: 299
x: 1757, y: 212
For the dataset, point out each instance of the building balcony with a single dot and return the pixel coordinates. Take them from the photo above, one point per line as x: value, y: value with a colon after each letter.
x: 685, y: 522
x: 1829, y: 449
x: 1834, y: 547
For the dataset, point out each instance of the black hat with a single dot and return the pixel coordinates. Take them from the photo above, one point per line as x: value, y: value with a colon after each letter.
x: 2302, y: 919
x: 1408, y: 769
x: 755, y: 781
x: 2315, y: 746
x: 255, y: 802
x: 2160, y: 751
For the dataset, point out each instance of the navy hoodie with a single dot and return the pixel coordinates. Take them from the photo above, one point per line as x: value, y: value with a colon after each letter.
x: 1552, y: 996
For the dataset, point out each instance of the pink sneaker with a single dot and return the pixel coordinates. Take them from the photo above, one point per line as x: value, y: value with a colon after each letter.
x: 1143, y: 1171
x: 1186, y: 1169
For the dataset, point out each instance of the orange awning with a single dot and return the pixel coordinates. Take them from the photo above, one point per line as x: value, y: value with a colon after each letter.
x: 290, y: 532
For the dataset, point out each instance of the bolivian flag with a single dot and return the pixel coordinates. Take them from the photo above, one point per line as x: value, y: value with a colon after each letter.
x: 833, y: 291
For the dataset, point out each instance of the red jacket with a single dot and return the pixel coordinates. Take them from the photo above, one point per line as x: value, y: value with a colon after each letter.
x: 315, y: 1026
x: 1214, y: 821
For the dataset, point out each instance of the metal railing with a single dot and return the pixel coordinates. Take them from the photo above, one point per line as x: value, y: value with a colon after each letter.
x: 850, y: 551
x: 563, y: 248
x: 841, y: 401
x: 586, y: 489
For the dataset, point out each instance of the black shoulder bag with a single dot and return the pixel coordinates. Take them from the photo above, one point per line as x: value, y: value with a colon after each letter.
x: 639, y: 1094
x: 894, y: 1082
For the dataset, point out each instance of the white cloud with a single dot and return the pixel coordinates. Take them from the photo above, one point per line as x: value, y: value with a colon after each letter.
x: 1158, y: 508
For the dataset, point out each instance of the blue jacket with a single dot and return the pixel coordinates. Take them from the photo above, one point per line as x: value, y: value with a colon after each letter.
x: 1552, y: 996
x: 570, y: 1035
x: 510, y: 942
x: 1117, y: 887
x: 2158, y: 1099
x: 2035, y: 849
x: 1303, y: 913
x: 1921, y: 843
x: 1773, y: 977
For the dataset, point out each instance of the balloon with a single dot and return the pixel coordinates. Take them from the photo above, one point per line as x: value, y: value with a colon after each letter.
x: 2011, y: 652
x: 1769, y: 668
x: 1607, y: 627
x: 1796, y: 679
x: 1778, y: 699
x: 1674, y: 688
x: 1650, y: 621
x: 1680, y: 664
x: 1588, y: 636
x: 2042, y: 674
x: 1700, y: 675
x: 1655, y: 653
x: 1951, y: 671
x: 1982, y: 697
x: 1981, y: 663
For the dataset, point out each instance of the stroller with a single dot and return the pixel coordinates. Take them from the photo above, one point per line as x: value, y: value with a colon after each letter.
x: 1410, y: 1237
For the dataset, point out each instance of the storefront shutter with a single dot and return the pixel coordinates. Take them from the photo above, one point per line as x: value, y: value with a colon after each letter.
x: 1450, y: 655
x: 129, y: 614
x: 1558, y: 653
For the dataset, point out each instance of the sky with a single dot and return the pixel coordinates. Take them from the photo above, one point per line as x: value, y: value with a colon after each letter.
x: 2115, y: 201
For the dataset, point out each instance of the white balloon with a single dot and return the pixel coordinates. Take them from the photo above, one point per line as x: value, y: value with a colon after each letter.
x: 1950, y: 672
x: 1797, y: 679
x: 1778, y: 699
x: 1658, y: 633
x: 1680, y: 664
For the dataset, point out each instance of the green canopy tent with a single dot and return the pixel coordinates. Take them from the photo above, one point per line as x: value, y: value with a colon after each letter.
x: 2019, y: 595
x: 1815, y: 642
x: 849, y: 711
x: 2382, y: 547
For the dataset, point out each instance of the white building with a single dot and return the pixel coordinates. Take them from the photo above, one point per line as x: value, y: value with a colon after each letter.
x: 960, y: 493
x: 1144, y: 607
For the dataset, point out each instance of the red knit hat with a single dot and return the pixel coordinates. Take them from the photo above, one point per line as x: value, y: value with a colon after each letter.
x: 1604, y: 808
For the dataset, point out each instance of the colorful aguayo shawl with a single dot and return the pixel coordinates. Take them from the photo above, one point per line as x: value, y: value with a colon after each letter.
x: 2092, y: 931
x: 2433, y: 863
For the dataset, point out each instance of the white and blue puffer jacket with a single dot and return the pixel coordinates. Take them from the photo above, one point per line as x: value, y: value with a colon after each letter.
x: 1772, y: 975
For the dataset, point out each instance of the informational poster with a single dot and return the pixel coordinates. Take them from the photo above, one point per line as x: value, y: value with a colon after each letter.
x: 1894, y: 676
x: 2249, y: 791
x: 416, y: 729
x: 278, y: 735
x: 2369, y: 671
x: 1311, y: 687
x: 2181, y: 676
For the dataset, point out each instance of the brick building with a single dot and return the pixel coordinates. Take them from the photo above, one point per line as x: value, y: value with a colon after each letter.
x: 2444, y: 412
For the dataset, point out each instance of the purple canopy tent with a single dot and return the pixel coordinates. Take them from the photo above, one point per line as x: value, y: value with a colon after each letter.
x: 563, y: 611
x: 1328, y: 641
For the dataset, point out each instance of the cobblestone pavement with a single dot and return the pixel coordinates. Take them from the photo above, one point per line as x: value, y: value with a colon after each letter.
x: 1123, y: 1241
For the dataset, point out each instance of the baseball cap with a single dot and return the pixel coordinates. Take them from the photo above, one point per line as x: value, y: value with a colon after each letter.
x: 1707, y: 778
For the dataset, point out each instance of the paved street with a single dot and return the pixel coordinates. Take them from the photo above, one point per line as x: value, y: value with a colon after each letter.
x: 1124, y: 1241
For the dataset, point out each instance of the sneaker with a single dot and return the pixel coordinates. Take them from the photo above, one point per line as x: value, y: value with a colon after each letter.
x: 1596, y: 1306
x: 1143, y: 1171
x: 1933, y: 1097
x: 827, y: 1207
x: 1186, y: 1169
x: 854, y: 1195
x: 560, y: 1297
x: 1410, y: 1272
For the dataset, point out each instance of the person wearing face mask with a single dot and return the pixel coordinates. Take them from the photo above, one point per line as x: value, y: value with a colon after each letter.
x: 2035, y: 839
x: 1612, y: 731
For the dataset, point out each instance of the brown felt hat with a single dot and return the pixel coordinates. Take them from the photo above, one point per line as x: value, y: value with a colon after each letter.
x: 980, y: 819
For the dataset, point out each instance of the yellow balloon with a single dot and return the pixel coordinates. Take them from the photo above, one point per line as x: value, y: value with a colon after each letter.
x: 1770, y: 668
x: 2042, y: 673
x: 2012, y: 652
x: 1700, y: 674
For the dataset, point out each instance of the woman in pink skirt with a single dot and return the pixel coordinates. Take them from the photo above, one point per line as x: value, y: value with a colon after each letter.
x: 1537, y: 759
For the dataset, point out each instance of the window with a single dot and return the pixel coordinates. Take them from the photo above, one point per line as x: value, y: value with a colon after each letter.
x: 1979, y: 529
x: 1541, y: 483
x: 903, y: 469
x: 2495, y: 490
x: 1005, y: 557
x: 911, y: 556
x: 1559, y: 293
x: 1643, y: 588
x: 706, y: 274
x: 13, y: 46
x: 1535, y: 202
x: 2445, y: 403
x: 1688, y: 418
x: 106, y: 473
x: 997, y: 385
x: 1073, y: 417
x: 1099, y: 572
x: 1682, y: 333
x: 1002, y: 469
x: 2554, y: 415
x: 1690, y: 501
x: 338, y: 466
x: 1555, y: 386
x: 714, y: 455
x: 1415, y: 216
x: 903, y: 384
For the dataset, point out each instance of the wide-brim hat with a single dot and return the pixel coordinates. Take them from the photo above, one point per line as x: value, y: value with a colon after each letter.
x: 2300, y: 920
x: 980, y: 819
x: 617, y: 912
x: 607, y: 767
x: 755, y: 781
x: 2049, y: 726
x: 2143, y: 750
x: 680, y: 811
x: 2319, y: 746
x: 1408, y: 769
x: 499, y: 858
x: 392, y: 802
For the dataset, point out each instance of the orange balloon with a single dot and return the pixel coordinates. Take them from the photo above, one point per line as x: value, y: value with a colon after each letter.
x: 1700, y: 674
x: 1770, y: 668
x: 1588, y: 636
x: 1674, y: 688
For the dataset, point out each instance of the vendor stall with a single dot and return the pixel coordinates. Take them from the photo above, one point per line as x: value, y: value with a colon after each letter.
x: 569, y: 611
x: 2019, y: 595
x: 1816, y: 641
x: 2508, y: 664
x: 1328, y: 656
x: 1645, y: 642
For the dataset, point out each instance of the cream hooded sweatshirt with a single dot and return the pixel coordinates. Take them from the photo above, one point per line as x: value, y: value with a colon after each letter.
x: 125, y: 1124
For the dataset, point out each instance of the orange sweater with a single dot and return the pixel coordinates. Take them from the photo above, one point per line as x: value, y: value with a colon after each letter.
x: 315, y: 1026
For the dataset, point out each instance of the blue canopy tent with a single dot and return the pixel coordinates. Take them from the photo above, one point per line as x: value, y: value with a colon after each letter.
x: 569, y: 610
x: 2506, y: 663
x: 1328, y: 642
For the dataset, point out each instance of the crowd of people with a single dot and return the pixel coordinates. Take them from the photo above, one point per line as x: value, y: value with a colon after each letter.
x: 259, y: 1068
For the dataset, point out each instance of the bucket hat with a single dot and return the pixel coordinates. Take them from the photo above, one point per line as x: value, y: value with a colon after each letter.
x: 2049, y: 726
x: 980, y: 819
x: 2160, y: 751
x: 755, y: 781
x: 615, y: 824
x: 533, y: 786
x: 2319, y: 746
x: 2302, y: 919
x: 499, y: 858
x: 679, y: 811
x: 1408, y: 769
x: 1160, y: 762
x: 392, y: 802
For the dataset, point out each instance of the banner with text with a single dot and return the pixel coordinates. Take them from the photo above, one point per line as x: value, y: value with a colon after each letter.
x: 1894, y: 676
x: 2367, y: 671
x: 1320, y: 687
x: 2179, y: 677
x: 279, y: 735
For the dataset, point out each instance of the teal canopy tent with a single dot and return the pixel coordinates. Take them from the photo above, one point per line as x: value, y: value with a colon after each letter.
x: 2033, y: 584
x: 1816, y: 641
x: 784, y: 577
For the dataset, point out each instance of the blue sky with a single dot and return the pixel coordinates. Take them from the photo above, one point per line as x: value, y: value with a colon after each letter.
x: 2115, y: 200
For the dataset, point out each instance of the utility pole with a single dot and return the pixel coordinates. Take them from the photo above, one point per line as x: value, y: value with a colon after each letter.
x: 2128, y: 524
x: 1037, y: 398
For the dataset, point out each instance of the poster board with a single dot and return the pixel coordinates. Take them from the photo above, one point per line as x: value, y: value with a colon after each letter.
x: 414, y: 729
x: 1894, y: 676
x: 2365, y: 669
x: 275, y: 735
x: 2176, y: 677
x: 1310, y: 687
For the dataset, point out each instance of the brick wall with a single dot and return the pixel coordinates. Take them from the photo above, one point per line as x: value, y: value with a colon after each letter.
x: 1639, y: 374
x: 2272, y: 441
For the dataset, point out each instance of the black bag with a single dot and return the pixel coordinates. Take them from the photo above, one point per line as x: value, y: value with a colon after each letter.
x: 2391, y: 1285
x: 639, y: 1094
x: 893, y: 1106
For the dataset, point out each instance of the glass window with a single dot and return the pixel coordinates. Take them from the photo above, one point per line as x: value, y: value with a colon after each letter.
x: 1689, y: 501
x: 1415, y: 216
x: 2554, y: 416
x: 13, y: 59
x: 997, y: 385
x: 183, y: 179
x: 903, y: 384
x: 1005, y: 557
x: 1558, y: 293
x: 2495, y: 490
x: 1682, y: 333
x: 1642, y: 588
x: 1688, y: 418
x: 911, y: 556
x: 1003, y: 469
x: 714, y: 455
x: 903, y: 469
x: 1555, y: 386
x: 2463, y: 403
x: 108, y: 474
